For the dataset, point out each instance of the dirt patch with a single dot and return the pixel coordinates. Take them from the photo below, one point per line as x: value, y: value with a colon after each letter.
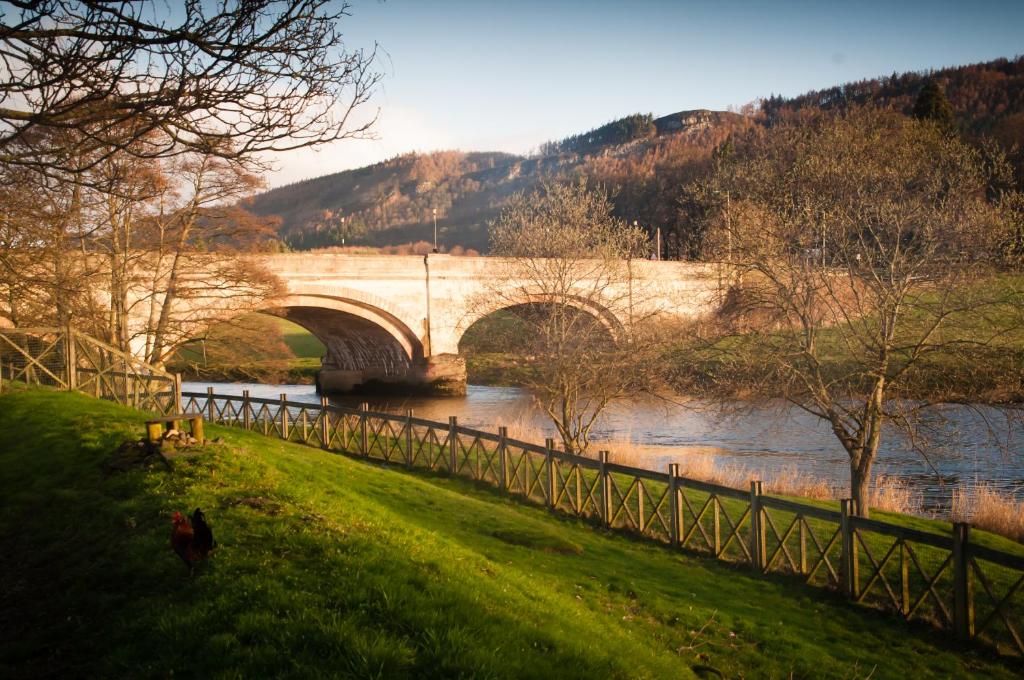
x: 258, y: 503
x: 132, y: 455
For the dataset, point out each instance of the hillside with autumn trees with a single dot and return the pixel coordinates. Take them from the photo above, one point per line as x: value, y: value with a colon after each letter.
x: 644, y: 162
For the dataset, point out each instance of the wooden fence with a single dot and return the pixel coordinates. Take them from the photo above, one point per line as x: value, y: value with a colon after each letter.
x: 953, y: 581
x: 66, y: 359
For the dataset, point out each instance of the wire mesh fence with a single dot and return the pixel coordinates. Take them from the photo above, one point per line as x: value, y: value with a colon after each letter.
x: 65, y: 359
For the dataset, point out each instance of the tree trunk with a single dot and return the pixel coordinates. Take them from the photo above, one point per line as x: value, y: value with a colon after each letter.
x: 860, y: 489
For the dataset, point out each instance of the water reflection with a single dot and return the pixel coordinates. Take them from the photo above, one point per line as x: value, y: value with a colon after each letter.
x: 977, y: 444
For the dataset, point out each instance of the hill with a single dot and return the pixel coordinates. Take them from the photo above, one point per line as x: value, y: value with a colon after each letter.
x: 330, y: 566
x: 392, y: 202
x: 987, y: 98
x: 642, y: 160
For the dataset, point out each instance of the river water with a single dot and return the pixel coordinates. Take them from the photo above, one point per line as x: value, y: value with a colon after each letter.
x: 964, y: 445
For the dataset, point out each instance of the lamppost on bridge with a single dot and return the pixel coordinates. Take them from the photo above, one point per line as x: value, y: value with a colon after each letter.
x: 657, y: 240
x: 435, y: 230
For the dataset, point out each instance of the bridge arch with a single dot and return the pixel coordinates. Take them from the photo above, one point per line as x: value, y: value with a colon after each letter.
x: 327, y: 315
x: 604, y: 316
x: 364, y: 343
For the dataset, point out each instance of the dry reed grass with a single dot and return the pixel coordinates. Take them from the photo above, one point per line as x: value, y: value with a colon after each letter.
x: 893, y: 494
x: 980, y: 504
x: 702, y: 464
x: 990, y: 509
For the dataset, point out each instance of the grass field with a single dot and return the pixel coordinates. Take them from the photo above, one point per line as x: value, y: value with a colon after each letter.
x: 328, y: 566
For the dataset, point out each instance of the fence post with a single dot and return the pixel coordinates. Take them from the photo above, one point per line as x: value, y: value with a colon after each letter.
x: 283, y: 414
x: 325, y: 424
x: 963, y: 587
x: 758, y: 537
x: 408, y: 438
x: 364, y: 441
x: 716, y: 520
x: 503, y: 457
x: 849, y: 562
x: 72, y: 359
x: 177, y: 393
x: 674, y: 520
x: 209, y: 405
x: 578, y: 505
x: 606, y: 489
x: 246, y: 410
x: 453, y: 444
x: 904, y: 578
x: 552, y: 482
x: 803, y: 544
x: 1, y: 376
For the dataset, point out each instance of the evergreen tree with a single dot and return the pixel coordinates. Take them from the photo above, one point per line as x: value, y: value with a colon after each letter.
x: 932, y: 105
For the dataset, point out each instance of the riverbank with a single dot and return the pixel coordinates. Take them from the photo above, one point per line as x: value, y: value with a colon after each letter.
x: 999, y: 379
x: 254, y: 348
x: 327, y: 565
x: 295, y: 371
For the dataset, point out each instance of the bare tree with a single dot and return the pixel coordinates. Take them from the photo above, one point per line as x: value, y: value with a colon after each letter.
x: 175, y: 240
x: 127, y: 128
x: 197, y: 212
x: 864, y: 252
x: 566, y: 278
x: 144, y: 253
x: 223, y: 77
x: 43, y: 220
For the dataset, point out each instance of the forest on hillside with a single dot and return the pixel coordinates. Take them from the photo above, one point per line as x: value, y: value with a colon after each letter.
x: 986, y: 97
x: 642, y: 162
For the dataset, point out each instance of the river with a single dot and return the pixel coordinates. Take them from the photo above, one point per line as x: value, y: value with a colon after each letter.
x: 977, y: 445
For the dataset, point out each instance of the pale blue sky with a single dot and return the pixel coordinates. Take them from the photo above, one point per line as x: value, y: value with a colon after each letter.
x: 509, y: 76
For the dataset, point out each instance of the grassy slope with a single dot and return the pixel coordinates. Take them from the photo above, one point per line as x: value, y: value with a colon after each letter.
x: 350, y: 569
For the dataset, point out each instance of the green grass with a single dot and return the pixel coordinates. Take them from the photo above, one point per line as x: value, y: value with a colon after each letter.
x: 499, y: 369
x: 302, y: 343
x: 344, y: 568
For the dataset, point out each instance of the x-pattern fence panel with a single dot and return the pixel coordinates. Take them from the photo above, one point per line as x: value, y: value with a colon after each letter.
x: 945, y: 580
x: 66, y: 359
x: 714, y: 520
x: 577, y: 488
x: 640, y: 505
x: 909, y: 578
x: 994, y: 598
x: 478, y: 456
x: 802, y: 540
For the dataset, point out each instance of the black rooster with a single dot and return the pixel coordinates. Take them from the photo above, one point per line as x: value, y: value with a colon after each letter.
x: 192, y: 541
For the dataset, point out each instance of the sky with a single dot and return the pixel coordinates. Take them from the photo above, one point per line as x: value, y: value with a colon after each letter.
x: 508, y: 76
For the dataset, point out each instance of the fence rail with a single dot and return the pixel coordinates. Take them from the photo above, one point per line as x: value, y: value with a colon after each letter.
x: 66, y: 359
x: 949, y: 581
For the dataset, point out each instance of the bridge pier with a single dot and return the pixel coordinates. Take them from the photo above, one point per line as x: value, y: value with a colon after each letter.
x: 441, y: 374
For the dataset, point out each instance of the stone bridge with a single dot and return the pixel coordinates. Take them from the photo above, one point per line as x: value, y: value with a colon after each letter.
x: 397, y: 320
